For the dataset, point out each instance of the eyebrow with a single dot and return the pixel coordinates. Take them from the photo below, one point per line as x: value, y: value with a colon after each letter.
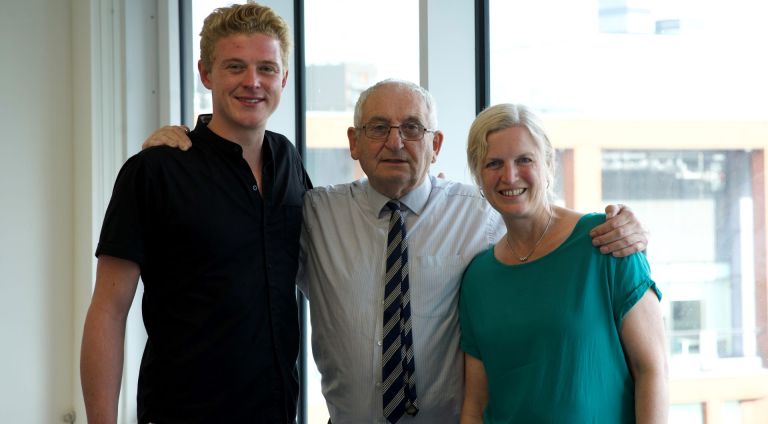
x: 529, y: 153
x: 238, y: 60
x: 407, y: 119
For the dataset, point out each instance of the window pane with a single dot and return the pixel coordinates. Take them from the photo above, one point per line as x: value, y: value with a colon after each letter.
x: 662, y: 105
x: 344, y: 59
x: 681, y: 193
x: 202, y: 96
x: 375, y: 41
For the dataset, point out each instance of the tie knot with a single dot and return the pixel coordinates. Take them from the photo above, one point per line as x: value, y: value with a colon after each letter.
x: 393, y: 206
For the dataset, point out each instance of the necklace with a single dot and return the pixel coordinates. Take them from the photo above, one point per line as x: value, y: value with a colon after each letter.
x: 525, y: 258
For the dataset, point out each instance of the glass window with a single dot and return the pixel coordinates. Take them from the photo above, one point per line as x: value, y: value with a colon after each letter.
x: 701, y: 200
x: 661, y: 105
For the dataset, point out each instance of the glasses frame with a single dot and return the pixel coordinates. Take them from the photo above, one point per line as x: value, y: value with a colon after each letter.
x: 424, y: 130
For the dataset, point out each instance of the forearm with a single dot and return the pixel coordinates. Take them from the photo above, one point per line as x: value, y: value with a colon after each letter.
x: 651, y: 397
x: 470, y: 417
x: 472, y: 408
x: 475, y: 391
x: 101, y: 365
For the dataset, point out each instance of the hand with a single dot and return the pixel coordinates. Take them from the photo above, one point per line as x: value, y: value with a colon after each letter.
x: 621, y: 234
x: 172, y: 135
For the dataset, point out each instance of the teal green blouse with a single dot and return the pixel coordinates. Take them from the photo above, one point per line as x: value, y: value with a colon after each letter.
x: 547, y: 331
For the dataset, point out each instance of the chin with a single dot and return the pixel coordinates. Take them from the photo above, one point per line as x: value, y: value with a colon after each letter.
x: 252, y: 122
x: 396, y: 178
x: 516, y: 211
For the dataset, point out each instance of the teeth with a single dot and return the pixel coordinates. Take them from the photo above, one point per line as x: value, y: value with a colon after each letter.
x: 515, y: 192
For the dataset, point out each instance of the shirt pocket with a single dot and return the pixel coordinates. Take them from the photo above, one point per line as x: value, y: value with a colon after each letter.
x: 434, y: 284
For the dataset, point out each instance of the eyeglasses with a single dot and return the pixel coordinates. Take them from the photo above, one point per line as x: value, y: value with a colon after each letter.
x: 412, y: 131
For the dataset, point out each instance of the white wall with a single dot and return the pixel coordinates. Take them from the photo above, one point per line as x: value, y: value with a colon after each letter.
x: 66, y: 119
x: 36, y: 212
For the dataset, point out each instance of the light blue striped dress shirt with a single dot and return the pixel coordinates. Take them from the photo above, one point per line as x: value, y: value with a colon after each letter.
x: 343, y: 256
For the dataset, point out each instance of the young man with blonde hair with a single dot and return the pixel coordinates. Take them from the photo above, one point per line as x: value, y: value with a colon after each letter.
x: 214, y: 235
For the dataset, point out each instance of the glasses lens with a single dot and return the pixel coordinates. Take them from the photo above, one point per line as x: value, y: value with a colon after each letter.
x: 411, y: 131
x: 377, y: 130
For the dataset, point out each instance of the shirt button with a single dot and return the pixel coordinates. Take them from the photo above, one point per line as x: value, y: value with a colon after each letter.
x: 255, y: 187
x: 378, y: 342
x: 378, y: 385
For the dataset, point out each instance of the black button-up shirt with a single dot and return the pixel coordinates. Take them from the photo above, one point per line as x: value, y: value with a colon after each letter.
x: 218, y: 260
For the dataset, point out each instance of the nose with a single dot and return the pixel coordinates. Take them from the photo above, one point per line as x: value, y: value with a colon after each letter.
x: 394, y: 139
x: 251, y: 77
x: 509, y: 173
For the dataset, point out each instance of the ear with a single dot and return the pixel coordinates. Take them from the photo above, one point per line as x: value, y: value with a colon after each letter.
x: 352, y: 136
x: 285, y: 79
x: 437, y: 144
x: 204, y: 75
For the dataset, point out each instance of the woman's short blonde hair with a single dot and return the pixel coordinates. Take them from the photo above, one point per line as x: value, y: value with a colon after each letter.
x: 249, y: 18
x: 503, y: 116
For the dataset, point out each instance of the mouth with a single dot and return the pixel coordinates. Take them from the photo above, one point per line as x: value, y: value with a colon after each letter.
x: 513, y: 192
x: 394, y: 161
x: 249, y: 100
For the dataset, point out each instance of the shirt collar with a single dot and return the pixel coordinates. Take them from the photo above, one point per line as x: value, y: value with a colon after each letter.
x: 230, y: 147
x: 415, y: 200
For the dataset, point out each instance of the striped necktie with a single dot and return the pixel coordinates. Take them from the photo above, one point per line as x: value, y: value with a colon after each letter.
x: 397, y: 376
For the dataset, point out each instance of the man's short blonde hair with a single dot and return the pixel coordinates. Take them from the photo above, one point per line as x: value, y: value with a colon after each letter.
x: 249, y: 18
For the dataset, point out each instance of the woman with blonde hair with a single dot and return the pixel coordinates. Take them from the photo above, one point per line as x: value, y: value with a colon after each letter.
x: 552, y: 330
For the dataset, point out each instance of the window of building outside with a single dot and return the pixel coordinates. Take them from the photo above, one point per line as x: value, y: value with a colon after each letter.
x: 661, y: 105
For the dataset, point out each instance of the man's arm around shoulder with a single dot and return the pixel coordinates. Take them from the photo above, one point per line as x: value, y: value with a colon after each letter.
x: 101, y: 356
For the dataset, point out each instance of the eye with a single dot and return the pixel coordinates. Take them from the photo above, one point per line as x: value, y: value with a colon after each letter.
x: 379, y: 127
x: 235, y: 67
x: 525, y: 160
x: 492, y: 164
x: 411, y: 126
x: 268, y: 69
x: 411, y: 130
